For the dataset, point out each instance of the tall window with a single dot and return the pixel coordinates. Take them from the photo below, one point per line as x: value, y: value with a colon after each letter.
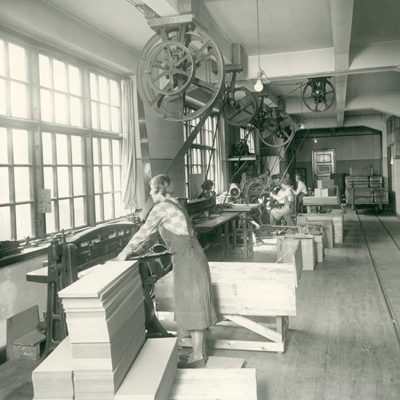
x: 64, y: 175
x: 200, y: 159
x: 250, y: 139
x: 107, y: 178
x: 59, y: 129
x: 105, y: 103
x: 14, y: 83
x: 16, y: 183
x: 60, y: 92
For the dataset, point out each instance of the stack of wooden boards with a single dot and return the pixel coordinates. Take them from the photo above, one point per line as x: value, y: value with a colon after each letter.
x: 363, y: 187
x: 106, y: 325
x: 106, y: 355
x: 52, y: 379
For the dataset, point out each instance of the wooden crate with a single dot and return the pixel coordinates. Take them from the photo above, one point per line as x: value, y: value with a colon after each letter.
x: 337, y: 225
x: 243, y: 290
x: 366, y: 170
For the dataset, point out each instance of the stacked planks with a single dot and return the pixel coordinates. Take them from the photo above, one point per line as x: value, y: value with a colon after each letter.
x: 153, y: 372
x: 106, y: 324
x: 52, y: 379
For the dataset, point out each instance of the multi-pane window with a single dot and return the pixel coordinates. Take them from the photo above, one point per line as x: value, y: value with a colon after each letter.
x: 200, y: 159
x: 16, y: 182
x: 14, y: 83
x: 52, y: 109
x: 105, y: 103
x: 60, y: 92
x: 107, y: 178
x: 244, y: 133
x: 64, y: 175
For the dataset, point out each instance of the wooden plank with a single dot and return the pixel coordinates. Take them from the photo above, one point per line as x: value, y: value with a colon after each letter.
x: 224, y: 362
x: 227, y: 344
x: 207, y: 384
x: 153, y: 372
x: 19, y: 325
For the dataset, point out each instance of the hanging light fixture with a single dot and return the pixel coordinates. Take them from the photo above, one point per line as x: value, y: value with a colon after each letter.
x: 261, y: 75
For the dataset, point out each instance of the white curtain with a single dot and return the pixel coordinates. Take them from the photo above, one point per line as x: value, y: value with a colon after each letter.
x: 129, y: 195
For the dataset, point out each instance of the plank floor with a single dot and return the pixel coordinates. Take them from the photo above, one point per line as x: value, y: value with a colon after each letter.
x: 343, y: 343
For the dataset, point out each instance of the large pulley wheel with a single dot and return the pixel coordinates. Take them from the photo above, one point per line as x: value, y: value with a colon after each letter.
x: 239, y: 107
x: 213, y: 245
x: 169, y: 62
x: 173, y: 68
x: 318, y: 94
x: 280, y: 126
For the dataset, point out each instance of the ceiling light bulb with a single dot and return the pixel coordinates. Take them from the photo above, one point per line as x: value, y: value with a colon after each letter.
x: 302, y: 126
x: 315, y: 141
x: 258, y: 87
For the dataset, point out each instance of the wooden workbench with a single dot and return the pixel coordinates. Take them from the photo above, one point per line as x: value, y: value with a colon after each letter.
x: 220, y: 223
x: 246, y: 233
x: 249, y: 295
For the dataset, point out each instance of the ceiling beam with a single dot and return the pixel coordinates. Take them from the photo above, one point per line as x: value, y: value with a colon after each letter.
x: 342, y: 18
x: 388, y: 103
x: 165, y: 8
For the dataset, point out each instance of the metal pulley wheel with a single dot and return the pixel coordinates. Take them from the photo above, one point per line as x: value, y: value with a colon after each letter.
x: 239, y: 106
x: 213, y: 245
x: 281, y: 126
x: 175, y: 66
x: 318, y: 94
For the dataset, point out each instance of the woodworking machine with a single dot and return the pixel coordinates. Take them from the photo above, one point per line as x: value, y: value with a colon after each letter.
x: 68, y: 257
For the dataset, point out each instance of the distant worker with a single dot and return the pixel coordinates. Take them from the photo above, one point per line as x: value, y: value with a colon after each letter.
x: 300, y: 192
x: 207, y: 187
x: 285, y: 199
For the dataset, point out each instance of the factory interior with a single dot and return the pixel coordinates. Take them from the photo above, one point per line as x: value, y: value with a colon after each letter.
x: 200, y: 199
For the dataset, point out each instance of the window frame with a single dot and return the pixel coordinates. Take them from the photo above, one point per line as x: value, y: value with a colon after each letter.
x: 36, y: 127
x: 200, y: 146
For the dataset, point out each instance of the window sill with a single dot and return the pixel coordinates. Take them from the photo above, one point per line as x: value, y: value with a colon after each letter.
x: 26, y: 254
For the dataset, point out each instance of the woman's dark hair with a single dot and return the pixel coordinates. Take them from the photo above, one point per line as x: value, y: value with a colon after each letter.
x: 162, y: 184
x: 207, y: 184
x: 301, y: 177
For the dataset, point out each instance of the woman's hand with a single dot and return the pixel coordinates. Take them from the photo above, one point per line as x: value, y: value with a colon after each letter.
x: 121, y: 256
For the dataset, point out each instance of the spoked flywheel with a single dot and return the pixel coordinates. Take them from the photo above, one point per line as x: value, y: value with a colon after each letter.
x: 272, y: 124
x: 239, y: 106
x: 318, y: 94
x: 180, y: 64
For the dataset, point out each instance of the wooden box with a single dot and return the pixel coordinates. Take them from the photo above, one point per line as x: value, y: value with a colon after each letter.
x: 308, y: 248
x: 366, y: 170
x: 336, y: 219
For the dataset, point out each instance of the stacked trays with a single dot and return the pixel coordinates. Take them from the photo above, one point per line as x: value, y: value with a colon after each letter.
x: 106, y: 325
x: 52, y: 379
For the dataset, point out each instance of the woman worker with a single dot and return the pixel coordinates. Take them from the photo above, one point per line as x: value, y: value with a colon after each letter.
x: 207, y: 187
x: 300, y: 192
x: 285, y: 198
x: 194, y: 303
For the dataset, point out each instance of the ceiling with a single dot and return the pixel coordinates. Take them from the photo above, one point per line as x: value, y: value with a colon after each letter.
x: 355, y: 42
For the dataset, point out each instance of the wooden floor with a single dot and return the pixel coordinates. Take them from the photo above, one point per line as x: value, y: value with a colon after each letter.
x: 343, y: 344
